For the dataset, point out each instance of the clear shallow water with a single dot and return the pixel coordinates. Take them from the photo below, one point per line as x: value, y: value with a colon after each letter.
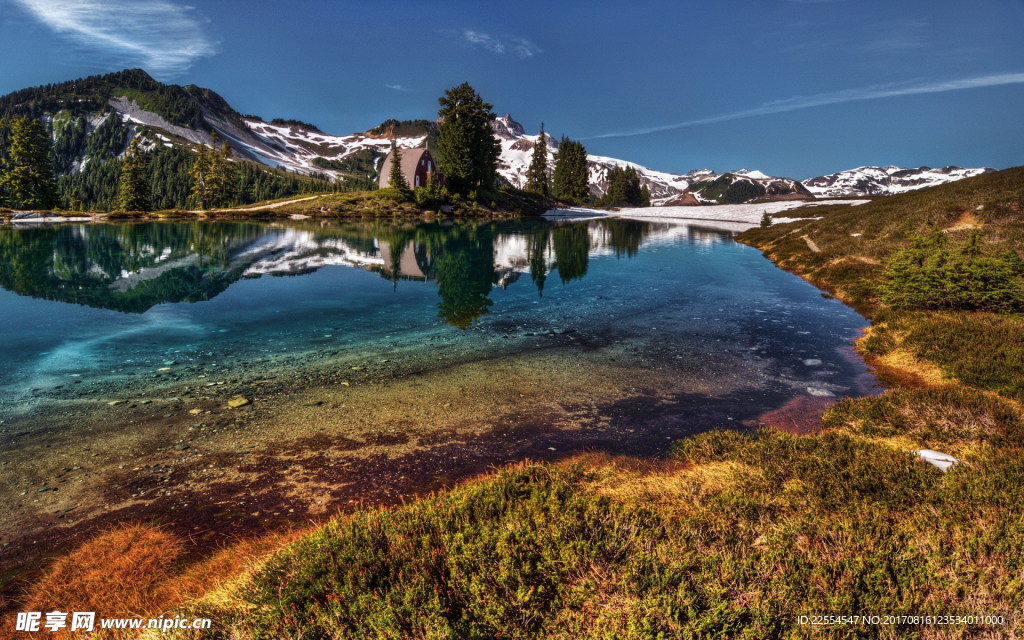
x: 87, y: 310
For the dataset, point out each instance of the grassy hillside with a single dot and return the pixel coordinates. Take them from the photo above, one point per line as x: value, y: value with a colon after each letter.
x: 734, y: 537
x: 853, y: 241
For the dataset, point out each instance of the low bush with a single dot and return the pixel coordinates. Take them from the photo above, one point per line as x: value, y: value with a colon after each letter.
x: 930, y: 274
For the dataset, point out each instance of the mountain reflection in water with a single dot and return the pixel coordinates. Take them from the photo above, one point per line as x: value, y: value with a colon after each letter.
x: 134, y: 267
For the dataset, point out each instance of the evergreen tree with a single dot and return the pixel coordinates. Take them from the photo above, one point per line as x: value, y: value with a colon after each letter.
x: 766, y: 220
x: 214, y: 178
x: 26, y: 173
x: 200, y: 174
x: 571, y: 177
x: 396, y: 178
x: 537, y: 173
x: 133, y: 192
x: 223, y: 178
x: 624, y: 189
x: 467, y: 152
x: 4, y: 129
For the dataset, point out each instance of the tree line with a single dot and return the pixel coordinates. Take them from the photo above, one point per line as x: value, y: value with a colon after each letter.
x: 111, y: 170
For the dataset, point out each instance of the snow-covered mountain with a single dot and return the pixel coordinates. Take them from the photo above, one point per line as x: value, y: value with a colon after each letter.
x: 299, y: 148
x: 93, y: 118
x: 702, y: 186
x: 294, y: 146
x: 883, y: 181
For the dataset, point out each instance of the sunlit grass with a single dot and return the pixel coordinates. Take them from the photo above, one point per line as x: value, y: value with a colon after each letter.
x: 734, y: 537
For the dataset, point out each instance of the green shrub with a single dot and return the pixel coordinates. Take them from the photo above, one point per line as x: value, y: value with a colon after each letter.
x: 931, y: 275
x: 432, y: 196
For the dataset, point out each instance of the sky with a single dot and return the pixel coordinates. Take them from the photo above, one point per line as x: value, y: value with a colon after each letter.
x: 793, y: 88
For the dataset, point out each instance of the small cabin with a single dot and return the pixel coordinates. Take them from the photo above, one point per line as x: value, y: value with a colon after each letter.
x: 417, y: 165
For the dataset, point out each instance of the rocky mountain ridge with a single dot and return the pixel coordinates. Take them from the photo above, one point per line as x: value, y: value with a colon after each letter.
x: 883, y: 181
x: 189, y: 116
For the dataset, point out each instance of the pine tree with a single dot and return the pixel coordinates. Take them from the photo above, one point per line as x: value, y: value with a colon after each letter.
x: 467, y: 152
x: 571, y: 176
x: 223, y: 178
x: 199, y: 172
x: 214, y: 177
x: 26, y: 174
x: 132, y: 187
x: 624, y: 189
x: 4, y: 129
x: 537, y: 173
x: 396, y: 179
x: 766, y: 220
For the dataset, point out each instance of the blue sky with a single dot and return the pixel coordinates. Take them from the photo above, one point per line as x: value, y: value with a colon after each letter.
x: 790, y: 87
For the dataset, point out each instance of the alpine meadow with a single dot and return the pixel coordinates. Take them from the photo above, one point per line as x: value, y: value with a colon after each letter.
x: 720, y: 336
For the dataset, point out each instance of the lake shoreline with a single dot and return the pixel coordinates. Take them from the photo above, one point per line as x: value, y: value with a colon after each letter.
x: 334, y: 427
x: 346, y: 205
x: 238, y: 476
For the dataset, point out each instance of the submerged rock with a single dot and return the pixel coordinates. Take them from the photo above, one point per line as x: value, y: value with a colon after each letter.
x: 234, y: 403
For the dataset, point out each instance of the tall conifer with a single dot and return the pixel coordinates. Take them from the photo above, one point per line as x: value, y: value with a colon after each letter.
x: 214, y: 176
x: 467, y: 151
x: 537, y: 173
x: 26, y: 174
x: 132, y: 186
x: 396, y: 178
x: 570, y: 181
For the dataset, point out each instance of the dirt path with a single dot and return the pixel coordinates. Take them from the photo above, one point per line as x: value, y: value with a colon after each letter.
x: 967, y: 220
x: 270, y: 206
x: 810, y: 244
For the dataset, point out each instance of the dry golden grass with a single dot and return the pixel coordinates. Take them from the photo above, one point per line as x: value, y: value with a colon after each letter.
x: 673, y: 487
x: 927, y: 373
x: 139, y: 571
x: 123, y: 572
x: 234, y: 560
x: 967, y: 220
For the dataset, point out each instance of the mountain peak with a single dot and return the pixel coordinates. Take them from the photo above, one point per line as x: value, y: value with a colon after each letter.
x: 887, y: 180
x: 507, y: 128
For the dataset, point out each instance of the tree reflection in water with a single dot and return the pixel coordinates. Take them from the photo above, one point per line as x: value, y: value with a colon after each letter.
x: 132, y: 267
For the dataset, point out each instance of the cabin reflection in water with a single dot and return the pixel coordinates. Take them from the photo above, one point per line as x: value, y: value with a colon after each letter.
x: 133, y: 267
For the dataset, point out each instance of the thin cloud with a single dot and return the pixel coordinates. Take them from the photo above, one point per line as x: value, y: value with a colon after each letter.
x: 164, y: 38
x: 504, y: 44
x: 898, y: 38
x: 836, y: 97
x: 397, y: 87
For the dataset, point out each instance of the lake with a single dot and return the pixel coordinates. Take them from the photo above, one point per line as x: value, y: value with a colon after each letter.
x: 379, y: 358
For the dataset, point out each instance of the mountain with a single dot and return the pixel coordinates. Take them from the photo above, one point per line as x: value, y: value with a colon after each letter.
x: 702, y: 186
x: 884, y: 181
x: 94, y: 118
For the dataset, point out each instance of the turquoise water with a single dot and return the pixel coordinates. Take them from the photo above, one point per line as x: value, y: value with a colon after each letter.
x: 87, y: 309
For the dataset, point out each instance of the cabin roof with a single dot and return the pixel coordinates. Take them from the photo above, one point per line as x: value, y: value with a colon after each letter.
x: 410, y: 160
